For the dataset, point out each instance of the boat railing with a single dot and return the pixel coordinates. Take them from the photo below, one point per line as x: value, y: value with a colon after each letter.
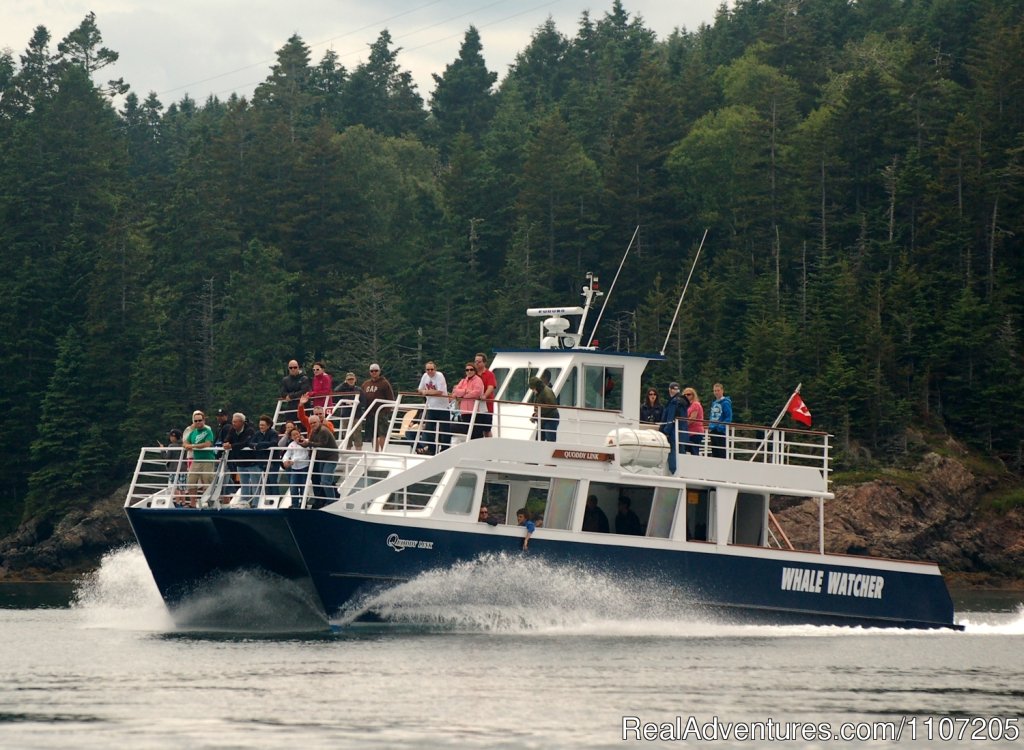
x: 341, y: 409
x: 756, y: 443
x: 162, y: 479
x: 414, y: 425
x: 587, y: 426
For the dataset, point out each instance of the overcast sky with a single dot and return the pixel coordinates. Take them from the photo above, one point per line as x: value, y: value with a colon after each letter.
x: 204, y: 47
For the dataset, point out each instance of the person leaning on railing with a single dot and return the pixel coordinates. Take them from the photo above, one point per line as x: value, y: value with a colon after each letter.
x: 469, y: 394
x: 547, y: 409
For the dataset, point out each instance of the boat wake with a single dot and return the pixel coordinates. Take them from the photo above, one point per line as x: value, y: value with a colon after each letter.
x: 516, y: 594
x: 520, y: 595
x: 986, y: 623
x: 250, y: 602
x: 121, y: 594
x: 510, y: 594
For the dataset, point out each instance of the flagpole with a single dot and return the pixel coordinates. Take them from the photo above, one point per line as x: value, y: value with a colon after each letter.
x: 778, y: 419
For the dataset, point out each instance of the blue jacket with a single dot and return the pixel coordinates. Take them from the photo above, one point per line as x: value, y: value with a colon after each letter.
x: 721, y: 412
x: 673, y: 409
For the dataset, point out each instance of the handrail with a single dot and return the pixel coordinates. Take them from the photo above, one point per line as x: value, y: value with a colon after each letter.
x: 160, y: 478
x: 772, y: 520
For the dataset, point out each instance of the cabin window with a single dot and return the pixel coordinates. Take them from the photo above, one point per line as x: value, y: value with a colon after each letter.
x: 631, y: 517
x: 414, y: 496
x: 663, y: 512
x: 602, y: 387
x: 748, y: 519
x: 496, y: 500
x: 500, y: 374
x: 537, y: 501
x: 460, y: 498
x: 505, y: 494
x: 567, y: 393
x: 560, y: 503
x: 698, y: 514
x: 517, y: 385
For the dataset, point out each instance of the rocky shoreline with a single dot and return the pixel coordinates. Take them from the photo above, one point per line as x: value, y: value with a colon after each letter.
x: 934, y: 512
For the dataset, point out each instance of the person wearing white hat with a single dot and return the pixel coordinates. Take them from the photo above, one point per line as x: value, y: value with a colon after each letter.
x: 376, y: 388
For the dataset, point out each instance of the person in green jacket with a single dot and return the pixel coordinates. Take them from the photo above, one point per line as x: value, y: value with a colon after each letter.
x: 547, y: 409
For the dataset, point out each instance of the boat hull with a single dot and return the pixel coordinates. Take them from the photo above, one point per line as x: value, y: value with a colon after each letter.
x: 338, y: 558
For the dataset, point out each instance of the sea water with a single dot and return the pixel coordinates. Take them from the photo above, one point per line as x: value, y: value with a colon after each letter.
x: 503, y: 652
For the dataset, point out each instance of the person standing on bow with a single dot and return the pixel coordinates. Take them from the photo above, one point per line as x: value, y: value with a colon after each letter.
x: 198, y: 443
x: 324, y: 452
x: 468, y: 393
x: 242, y: 458
x: 295, y: 462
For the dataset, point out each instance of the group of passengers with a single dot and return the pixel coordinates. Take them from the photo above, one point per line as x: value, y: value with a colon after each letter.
x: 467, y: 409
x: 687, y: 406
x: 191, y: 455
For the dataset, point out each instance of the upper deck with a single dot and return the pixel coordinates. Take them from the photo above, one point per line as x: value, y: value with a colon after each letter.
x: 598, y: 395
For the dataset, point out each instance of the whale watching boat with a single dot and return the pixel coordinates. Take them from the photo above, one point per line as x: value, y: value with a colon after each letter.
x: 362, y: 520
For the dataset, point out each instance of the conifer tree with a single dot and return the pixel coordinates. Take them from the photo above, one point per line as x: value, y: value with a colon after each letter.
x: 463, y: 101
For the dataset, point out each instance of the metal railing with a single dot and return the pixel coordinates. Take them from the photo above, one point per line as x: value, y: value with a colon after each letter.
x: 165, y: 477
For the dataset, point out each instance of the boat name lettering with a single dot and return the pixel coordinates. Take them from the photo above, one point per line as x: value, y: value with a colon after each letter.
x: 583, y: 455
x: 398, y: 544
x: 812, y: 580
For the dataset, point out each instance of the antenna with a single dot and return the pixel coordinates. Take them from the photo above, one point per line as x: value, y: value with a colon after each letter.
x: 685, y: 287
x: 612, y: 287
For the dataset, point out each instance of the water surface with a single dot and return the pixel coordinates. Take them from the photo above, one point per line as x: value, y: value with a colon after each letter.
x: 501, y: 653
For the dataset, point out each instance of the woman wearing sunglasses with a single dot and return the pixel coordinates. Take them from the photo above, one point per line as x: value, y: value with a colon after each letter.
x: 468, y: 392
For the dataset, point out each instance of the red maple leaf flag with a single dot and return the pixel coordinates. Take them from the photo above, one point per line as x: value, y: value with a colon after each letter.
x: 798, y: 410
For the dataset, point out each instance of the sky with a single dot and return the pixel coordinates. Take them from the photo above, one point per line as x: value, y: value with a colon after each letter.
x: 204, y: 47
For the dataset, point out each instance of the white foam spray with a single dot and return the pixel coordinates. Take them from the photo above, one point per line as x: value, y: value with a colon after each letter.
x: 516, y: 594
x: 986, y: 623
x: 495, y: 593
x: 250, y: 601
x: 121, y: 594
x: 503, y: 593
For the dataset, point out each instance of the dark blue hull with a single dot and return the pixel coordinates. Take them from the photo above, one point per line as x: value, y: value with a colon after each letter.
x: 338, y: 558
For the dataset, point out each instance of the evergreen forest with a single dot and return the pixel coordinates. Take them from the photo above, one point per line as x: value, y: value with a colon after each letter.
x: 858, y: 166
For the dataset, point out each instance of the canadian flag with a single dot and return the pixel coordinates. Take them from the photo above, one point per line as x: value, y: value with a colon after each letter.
x: 798, y: 410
